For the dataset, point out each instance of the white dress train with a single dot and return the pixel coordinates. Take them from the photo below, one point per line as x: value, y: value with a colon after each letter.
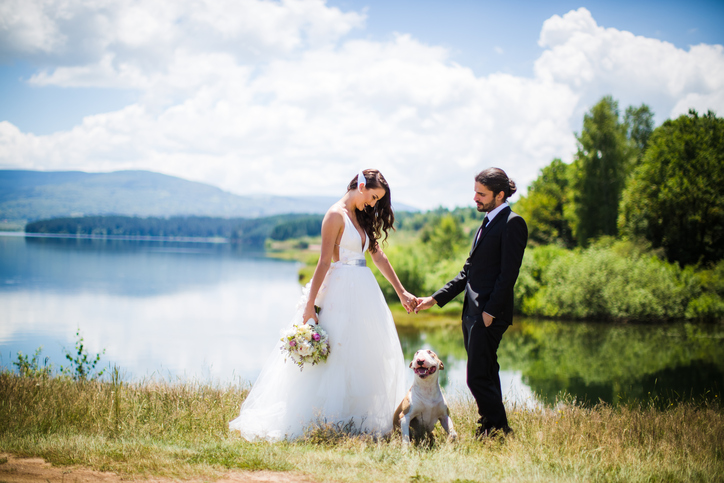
x: 363, y: 379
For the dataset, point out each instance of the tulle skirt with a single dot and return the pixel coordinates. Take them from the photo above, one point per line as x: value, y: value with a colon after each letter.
x: 362, y: 381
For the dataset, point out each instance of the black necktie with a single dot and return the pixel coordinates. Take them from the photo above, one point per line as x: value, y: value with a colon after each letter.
x: 480, y: 231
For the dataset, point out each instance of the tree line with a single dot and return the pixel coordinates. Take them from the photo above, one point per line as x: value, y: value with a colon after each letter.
x: 246, y: 231
x: 629, y: 180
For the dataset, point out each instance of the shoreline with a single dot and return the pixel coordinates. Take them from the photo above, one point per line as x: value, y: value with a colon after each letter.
x: 185, y: 239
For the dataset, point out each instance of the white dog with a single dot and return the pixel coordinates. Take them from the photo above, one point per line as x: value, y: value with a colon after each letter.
x: 424, y: 405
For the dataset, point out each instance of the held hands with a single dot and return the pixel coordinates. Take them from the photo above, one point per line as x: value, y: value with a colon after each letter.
x: 408, y: 300
x: 424, y: 303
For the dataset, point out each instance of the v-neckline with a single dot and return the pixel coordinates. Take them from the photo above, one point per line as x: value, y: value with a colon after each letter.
x: 362, y: 242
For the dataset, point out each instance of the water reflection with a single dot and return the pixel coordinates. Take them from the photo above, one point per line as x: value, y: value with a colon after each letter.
x: 163, y: 309
x: 137, y: 268
x: 617, y: 363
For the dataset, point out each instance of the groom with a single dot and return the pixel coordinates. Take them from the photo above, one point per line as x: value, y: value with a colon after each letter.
x: 488, y: 278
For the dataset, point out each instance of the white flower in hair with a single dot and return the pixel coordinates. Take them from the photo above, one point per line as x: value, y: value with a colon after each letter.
x: 361, y: 180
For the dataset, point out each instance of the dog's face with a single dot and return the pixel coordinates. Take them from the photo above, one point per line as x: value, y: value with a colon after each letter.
x: 426, y: 363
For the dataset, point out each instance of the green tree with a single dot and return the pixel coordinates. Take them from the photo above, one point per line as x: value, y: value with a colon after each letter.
x: 639, y: 122
x: 675, y: 198
x: 444, y: 237
x: 599, y: 172
x: 543, y: 208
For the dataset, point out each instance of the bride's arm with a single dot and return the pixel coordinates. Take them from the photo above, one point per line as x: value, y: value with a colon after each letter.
x: 332, y: 225
x: 381, y: 261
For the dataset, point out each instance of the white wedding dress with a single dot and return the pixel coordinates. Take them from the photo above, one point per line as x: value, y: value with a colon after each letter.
x: 363, y: 379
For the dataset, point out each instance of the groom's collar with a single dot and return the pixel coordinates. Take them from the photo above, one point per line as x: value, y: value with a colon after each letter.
x: 497, y: 210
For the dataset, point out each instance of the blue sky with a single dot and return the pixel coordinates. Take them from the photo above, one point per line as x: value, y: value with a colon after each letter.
x: 262, y: 97
x: 473, y: 29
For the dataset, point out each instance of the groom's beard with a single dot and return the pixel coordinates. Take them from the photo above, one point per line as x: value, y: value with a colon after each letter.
x: 482, y: 207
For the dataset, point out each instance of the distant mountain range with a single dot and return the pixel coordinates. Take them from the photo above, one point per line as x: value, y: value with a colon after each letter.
x: 35, y: 195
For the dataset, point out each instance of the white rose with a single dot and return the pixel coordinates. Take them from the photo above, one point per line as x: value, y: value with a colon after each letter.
x: 306, y: 332
x: 305, y: 349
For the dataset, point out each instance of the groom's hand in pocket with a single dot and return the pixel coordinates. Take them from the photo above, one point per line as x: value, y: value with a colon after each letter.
x: 424, y: 303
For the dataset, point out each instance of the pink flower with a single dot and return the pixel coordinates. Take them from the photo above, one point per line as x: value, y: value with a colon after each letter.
x: 292, y: 343
x: 316, y: 337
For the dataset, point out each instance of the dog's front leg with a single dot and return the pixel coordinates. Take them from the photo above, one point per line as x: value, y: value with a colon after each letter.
x: 405, y: 428
x: 447, y: 425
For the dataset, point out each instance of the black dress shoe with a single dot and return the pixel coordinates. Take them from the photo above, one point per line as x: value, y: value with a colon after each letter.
x: 483, y: 433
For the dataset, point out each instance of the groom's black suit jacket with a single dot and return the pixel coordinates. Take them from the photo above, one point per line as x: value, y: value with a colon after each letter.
x: 491, y: 270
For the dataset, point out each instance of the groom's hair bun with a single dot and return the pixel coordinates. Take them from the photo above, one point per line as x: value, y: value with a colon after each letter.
x: 496, y: 181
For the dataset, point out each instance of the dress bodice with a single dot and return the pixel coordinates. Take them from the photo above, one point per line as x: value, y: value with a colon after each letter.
x: 350, y: 245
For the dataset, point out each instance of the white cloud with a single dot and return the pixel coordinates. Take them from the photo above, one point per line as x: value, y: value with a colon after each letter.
x: 596, y: 61
x: 26, y: 28
x: 254, y: 96
x: 143, y: 36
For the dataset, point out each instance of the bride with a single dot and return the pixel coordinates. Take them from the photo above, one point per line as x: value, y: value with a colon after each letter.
x: 363, y: 379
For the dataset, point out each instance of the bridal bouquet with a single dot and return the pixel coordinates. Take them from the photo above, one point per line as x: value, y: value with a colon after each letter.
x: 305, y: 344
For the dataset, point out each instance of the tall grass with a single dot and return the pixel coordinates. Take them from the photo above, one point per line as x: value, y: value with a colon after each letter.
x: 180, y: 430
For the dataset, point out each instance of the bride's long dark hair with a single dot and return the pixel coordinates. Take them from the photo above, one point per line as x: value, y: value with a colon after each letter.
x: 379, y: 219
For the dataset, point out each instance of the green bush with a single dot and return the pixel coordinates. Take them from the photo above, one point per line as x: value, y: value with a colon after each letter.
x: 536, y: 262
x: 410, y: 264
x: 441, y: 273
x: 616, y: 280
x: 31, y: 366
x: 707, y: 306
x: 707, y: 293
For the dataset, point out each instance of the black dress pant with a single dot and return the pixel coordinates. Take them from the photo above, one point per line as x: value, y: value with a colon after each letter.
x: 483, y: 378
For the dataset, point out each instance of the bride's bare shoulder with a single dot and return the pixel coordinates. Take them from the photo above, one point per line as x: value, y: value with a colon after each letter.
x: 335, y: 214
x: 332, y: 224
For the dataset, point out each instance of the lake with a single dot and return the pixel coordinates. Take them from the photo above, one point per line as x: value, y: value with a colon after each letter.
x: 213, y: 312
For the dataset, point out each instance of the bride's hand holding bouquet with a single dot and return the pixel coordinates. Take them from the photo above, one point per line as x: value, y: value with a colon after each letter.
x: 306, y: 343
x: 310, y: 313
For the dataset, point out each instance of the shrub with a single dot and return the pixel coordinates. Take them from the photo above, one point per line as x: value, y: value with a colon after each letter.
x: 616, y: 280
x: 410, y: 265
x: 30, y: 367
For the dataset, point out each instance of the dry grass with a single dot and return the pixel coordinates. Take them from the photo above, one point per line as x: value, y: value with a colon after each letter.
x: 180, y: 431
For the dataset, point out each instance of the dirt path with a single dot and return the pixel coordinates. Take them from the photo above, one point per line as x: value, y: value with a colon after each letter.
x: 23, y: 470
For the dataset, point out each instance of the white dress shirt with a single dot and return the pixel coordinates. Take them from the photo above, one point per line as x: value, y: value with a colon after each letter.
x: 497, y: 210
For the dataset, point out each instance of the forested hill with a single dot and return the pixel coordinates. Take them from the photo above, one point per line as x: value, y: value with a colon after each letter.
x: 246, y: 231
x: 34, y: 195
